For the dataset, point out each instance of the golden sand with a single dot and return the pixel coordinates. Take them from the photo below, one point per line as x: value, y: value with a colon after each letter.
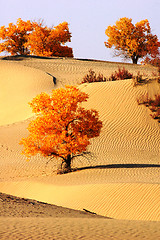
x: 121, y: 181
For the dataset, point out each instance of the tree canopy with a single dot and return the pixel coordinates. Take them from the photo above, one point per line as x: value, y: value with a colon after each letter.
x: 44, y: 41
x: 62, y: 128
x: 15, y: 36
x: 26, y: 37
x: 132, y: 41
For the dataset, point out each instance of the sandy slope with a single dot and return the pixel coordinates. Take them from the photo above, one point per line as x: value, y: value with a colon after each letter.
x: 121, y: 181
x: 25, y: 81
x: 77, y: 228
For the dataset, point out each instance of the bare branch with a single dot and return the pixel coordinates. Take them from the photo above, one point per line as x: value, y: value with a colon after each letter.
x: 83, y: 154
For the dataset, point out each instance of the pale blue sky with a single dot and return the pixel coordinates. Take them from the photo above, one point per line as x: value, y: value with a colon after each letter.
x: 87, y: 19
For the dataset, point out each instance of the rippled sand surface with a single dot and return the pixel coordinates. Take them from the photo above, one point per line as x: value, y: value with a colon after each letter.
x: 122, y: 179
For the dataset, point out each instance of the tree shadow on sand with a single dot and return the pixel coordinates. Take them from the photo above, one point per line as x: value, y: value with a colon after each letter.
x: 120, y: 166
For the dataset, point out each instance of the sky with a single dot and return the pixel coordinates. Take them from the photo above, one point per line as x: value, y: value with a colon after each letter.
x: 87, y: 19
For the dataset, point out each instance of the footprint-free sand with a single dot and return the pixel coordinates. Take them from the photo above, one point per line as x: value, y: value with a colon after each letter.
x: 120, y: 182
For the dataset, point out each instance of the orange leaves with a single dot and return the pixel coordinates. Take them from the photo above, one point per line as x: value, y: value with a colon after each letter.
x: 61, y: 126
x: 132, y: 41
x: 15, y: 36
x: 2, y: 32
x: 44, y: 41
x: 26, y: 37
x: 40, y: 103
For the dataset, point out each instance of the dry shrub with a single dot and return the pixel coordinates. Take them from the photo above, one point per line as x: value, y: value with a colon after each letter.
x: 120, y: 75
x: 93, y: 77
x: 140, y: 79
x: 153, y: 104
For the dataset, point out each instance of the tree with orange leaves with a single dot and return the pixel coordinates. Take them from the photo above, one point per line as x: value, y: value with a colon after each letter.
x: 15, y: 36
x: 62, y: 128
x: 33, y: 38
x: 44, y: 41
x: 132, y: 41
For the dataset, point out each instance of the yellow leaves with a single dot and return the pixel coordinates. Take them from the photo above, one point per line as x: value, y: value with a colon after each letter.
x: 41, y: 103
x: 61, y: 127
x: 26, y: 37
x: 2, y: 32
x: 44, y: 41
x: 133, y: 41
x: 15, y: 37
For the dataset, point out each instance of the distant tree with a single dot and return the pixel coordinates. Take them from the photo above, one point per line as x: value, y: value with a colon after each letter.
x: 44, y: 41
x: 62, y: 129
x: 15, y: 36
x: 132, y: 41
x: 29, y: 37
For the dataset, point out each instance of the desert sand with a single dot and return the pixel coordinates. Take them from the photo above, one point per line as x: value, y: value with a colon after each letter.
x: 119, y: 185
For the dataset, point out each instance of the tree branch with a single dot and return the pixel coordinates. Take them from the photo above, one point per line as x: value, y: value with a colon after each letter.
x: 83, y: 154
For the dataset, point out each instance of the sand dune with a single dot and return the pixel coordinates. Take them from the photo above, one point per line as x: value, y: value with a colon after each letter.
x: 121, y: 181
x: 79, y: 228
x: 25, y: 81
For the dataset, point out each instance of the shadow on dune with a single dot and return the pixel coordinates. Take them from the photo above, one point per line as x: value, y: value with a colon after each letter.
x: 120, y: 166
x: 22, y: 57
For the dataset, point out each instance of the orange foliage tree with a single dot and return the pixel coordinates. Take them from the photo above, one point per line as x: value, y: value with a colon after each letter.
x: 44, y: 41
x: 33, y: 38
x: 62, y: 128
x: 15, y: 36
x: 132, y: 41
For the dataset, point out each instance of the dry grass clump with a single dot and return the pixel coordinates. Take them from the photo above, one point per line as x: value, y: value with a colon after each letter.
x: 93, y: 77
x: 152, y: 104
x: 121, y: 74
x: 137, y: 80
x: 141, y: 79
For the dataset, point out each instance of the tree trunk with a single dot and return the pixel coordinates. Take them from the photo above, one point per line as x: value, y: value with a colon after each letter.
x: 66, y: 165
x: 134, y: 59
x: 68, y: 162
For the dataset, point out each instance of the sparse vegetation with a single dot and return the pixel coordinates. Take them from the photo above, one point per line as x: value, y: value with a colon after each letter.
x: 140, y: 79
x: 93, y: 77
x: 120, y: 75
x: 152, y: 104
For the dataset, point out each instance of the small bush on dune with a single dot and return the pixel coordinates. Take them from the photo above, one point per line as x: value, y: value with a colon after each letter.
x: 153, y: 104
x: 144, y: 99
x: 140, y: 79
x: 93, y: 77
x: 156, y: 115
x: 120, y: 75
x: 154, y: 62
